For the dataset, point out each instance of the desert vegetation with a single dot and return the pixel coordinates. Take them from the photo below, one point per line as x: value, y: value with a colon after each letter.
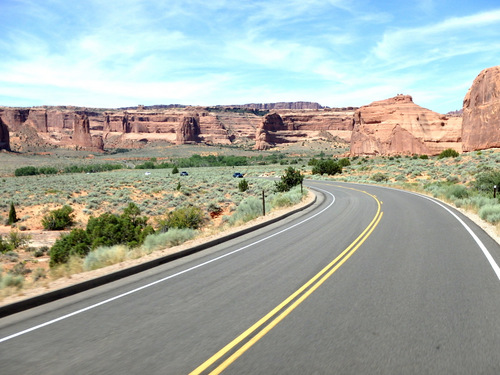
x: 111, y: 214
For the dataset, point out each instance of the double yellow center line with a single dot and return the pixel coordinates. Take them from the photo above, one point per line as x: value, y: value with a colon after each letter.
x: 270, y: 320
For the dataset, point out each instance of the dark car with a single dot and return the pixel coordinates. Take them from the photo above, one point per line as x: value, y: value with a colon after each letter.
x: 238, y: 175
x: 184, y: 173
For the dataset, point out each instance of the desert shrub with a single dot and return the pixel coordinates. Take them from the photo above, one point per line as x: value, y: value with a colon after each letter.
x: 344, y: 162
x: 486, y: 180
x: 243, y: 185
x: 26, y: 171
x: 490, y: 213
x: 292, y: 177
x: 448, y: 153
x: 18, y: 240
x: 380, y: 177
x: 111, y: 229
x: 11, y: 281
x: 39, y: 273
x: 77, y: 242
x: 286, y: 199
x: 185, y: 217
x: 329, y: 167
x: 59, y: 219
x: 424, y: 157
x: 175, y: 170
x: 248, y: 209
x: 20, y: 269
x: 173, y: 237
x: 105, y: 256
x: 4, y: 246
x: 456, y: 192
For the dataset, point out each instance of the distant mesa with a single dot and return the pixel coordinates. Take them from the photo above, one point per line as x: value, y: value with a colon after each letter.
x: 386, y: 127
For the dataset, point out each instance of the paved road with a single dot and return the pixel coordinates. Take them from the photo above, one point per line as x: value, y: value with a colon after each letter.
x: 368, y: 281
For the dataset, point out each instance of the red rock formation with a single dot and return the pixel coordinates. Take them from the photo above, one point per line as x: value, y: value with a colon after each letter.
x: 82, y: 138
x: 14, y: 118
x: 398, y: 126
x: 38, y: 119
x: 189, y: 131
x: 264, y: 138
x: 481, y: 112
x: 4, y: 136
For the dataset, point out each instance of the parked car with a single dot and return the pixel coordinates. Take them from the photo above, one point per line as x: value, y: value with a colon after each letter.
x: 184, y: 173
x: 238, y: 175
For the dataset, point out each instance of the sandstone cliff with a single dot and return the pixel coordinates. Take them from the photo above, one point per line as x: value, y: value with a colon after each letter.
x: 285, y: 126
x: 4, y: 136
x: 481, y: 112
x: 399, y: 126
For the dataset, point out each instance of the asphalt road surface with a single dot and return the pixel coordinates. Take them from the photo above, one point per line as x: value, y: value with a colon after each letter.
x: 367, y: 281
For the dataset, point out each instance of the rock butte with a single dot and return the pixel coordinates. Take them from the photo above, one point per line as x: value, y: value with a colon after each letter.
x: 386, y: 127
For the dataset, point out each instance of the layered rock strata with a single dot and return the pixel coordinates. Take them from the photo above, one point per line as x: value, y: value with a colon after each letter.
x: 399, y: 126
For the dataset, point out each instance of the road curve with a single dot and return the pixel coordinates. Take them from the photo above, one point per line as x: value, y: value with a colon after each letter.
x: 368, y: 281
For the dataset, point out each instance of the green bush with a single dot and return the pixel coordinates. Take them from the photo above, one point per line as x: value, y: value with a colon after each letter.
x: 58, y: 219
x: 26, y: 171
x: 448, y: 153
x: 344, y: 162
x: 329, y: 167
x: 291, y: 178
x: 106, y: 230
x: 186, y: 217
x: 485, y: 181
x: 77, y: 242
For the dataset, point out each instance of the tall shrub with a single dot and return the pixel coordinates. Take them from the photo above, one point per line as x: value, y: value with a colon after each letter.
x: 12, y: 215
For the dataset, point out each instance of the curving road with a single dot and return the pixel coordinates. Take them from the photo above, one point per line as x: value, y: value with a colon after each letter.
x: 368, y: 281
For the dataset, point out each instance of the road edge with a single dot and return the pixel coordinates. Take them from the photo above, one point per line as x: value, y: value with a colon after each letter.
x: 35, y: 301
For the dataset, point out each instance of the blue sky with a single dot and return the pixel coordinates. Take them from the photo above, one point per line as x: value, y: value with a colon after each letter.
x: 115, y: 53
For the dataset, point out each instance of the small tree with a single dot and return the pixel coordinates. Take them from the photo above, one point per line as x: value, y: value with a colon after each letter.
x: 291, y: 178
x: 175, y: 170
x: 243, y: 185
x: 12, y: 215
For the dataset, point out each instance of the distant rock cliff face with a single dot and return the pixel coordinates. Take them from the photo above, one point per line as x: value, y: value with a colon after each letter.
x: 481, y: 112
x: 286, y: 126
x: 4, y: 136
x: 399, y: 126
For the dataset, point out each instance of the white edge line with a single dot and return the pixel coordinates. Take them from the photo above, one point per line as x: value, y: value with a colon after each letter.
x: 165, y: 278
x: 483, y: 248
